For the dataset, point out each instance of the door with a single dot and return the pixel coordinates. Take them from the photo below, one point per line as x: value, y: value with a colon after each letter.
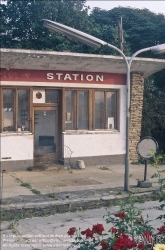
x: 45, y: 134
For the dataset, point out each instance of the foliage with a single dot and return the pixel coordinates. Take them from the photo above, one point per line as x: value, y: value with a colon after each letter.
x: 157, y: 160
x: 136, y: 24
x: 153, y: 122
x: 21, y: 23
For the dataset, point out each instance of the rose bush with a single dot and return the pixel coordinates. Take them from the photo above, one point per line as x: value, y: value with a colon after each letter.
x: 128, y: 229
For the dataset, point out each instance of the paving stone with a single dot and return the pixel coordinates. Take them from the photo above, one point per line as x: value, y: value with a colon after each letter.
x: 5, y: 225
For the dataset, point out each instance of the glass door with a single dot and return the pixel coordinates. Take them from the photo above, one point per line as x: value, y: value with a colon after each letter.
x: 45, y: 134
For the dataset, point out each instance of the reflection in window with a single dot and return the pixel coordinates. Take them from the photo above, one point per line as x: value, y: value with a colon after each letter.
x: 69, y: 116
x: 77, y: 110
x: 23, y: 110
x: 8, y: 110
x: 83, y: 108
x: 99, y: 110
x: 105, y: 110
x: 52, y: 96
x: 111, y: 110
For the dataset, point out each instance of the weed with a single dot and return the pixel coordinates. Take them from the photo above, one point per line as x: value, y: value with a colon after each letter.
x: 26, y: 184
x: 53, y: 195
x: 104, y: 168
x: 34, y: 191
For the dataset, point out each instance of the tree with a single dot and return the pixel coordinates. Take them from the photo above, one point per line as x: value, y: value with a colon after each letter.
x: 21, y: 23
x: 142, y: 28
x: 153, y: 122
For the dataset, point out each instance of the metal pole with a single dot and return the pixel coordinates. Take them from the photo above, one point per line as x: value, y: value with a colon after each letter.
x: 3, y: 171
x: 145, y: 171
x: 126, y: 177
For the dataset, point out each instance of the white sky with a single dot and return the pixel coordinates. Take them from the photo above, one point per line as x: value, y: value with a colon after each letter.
x: 154, y: 6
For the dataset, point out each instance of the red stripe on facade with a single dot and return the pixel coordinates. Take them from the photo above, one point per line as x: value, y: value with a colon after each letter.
x: 62, y: 76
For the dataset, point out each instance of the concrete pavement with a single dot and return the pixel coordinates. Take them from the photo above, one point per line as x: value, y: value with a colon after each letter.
x: 53, y: 201
x: 50, y: 233
x: 47, y: 191
x: 91, y: 178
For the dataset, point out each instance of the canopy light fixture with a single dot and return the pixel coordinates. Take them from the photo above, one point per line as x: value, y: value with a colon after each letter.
x: 158, y: 49
x: 73, y: 33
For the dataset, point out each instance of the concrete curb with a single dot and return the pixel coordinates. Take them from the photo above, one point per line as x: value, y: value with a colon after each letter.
x: 46, y: 208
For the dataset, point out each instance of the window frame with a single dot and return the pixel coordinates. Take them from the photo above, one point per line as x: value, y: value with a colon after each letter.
x: 116, y: 120
x: 75, y: 109
x: 91, y: 109
x: 15, y: 108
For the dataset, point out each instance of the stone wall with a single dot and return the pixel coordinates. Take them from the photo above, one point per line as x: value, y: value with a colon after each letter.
x: 136, y: 106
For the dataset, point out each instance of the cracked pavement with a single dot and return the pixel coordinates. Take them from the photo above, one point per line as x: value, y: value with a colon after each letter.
x: 48, y: 233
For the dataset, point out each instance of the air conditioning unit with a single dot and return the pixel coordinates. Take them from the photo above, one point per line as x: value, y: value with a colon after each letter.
x: 39, y: 96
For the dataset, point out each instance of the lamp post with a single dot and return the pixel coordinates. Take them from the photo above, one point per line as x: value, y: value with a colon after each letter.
x: 97, y: 43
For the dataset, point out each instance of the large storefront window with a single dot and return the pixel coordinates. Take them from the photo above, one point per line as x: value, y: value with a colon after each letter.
x: 15, y: 115
x: 101, y: 114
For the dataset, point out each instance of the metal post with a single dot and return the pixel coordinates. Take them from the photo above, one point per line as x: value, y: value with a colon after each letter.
x: 3, y: 171
x: 128, y: 65
x: 126, y: 177
x: 145, y: 171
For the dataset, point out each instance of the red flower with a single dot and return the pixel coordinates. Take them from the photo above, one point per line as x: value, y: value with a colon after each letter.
x: 124, y: 242
x: 161, y: 230
x: 113, y: 230
x: 98, y: 229
x: 88, y: 233
x: 71, y: 231
x: 121, y: 215
x: 140, y: 245
x: 147, y: 236
x: 104, y: 245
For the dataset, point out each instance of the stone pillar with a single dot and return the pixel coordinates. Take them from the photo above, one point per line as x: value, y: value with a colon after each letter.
x: 136, y: 106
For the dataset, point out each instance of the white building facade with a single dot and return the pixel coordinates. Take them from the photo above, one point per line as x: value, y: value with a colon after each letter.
x: 51, y: 99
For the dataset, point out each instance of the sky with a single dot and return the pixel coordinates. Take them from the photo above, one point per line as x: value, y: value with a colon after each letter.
x: 154, y: 6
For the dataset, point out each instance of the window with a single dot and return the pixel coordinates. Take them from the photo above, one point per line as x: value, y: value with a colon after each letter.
x: 15, y: 114
x: 83, y: 108
x: 8, y: 110
x: 90, y: 110
x: 77, y: 110
x: 52, y: 96
x: 105, y: 110
x: 23, y: 109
